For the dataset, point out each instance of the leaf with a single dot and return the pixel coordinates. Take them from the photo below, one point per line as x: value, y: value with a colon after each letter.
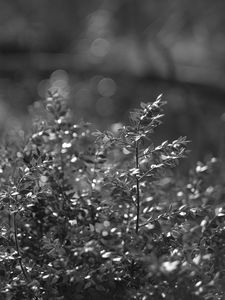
x: 92, y: 228
x: 169, y: 266
x: 139, y: 137
x: 106, y: 254
x: 134, y: 171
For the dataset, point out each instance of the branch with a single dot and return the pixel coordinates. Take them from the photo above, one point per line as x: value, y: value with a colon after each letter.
x: 137, y: 188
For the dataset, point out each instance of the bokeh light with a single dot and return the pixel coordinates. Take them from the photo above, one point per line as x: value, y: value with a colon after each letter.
x: 104, y: 56
x: 99, y: 47
x: 107, y: 87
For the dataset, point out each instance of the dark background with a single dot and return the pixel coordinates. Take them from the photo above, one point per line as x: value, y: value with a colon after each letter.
x: 107, y: 56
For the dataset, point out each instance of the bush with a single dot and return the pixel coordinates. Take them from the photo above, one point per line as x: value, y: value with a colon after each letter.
x: 92, y: 215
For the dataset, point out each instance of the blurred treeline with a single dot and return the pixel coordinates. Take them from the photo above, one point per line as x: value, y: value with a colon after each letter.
x: 106, y: 56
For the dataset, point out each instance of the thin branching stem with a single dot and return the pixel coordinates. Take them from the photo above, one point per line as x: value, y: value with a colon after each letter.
x: 137, y: 196
x: 137, y: 183
x: 137, y: 189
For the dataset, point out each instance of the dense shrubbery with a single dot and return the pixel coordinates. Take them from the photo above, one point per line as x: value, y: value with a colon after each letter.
x: 91, y: 215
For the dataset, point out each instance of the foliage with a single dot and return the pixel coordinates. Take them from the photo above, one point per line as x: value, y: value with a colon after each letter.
x: 94, y: 215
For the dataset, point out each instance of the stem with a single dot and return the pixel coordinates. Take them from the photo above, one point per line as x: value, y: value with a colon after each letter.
x: 137, y: 189
x: 137, y: 200
x: 61, y: 186
x: 25, y: 274
x: 137, y: 182
x: 145, y: 174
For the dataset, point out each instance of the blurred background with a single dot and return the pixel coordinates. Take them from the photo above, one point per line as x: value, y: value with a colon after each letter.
x: 106, y: 56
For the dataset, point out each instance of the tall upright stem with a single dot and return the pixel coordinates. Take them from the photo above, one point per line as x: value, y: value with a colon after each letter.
x: 137, y: 200
x: 137, y: 188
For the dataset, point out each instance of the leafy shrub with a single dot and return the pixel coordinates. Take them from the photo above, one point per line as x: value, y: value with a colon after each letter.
x: 92, y: 215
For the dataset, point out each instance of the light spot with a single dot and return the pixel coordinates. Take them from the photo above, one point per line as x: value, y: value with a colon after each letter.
x: 107, y: 87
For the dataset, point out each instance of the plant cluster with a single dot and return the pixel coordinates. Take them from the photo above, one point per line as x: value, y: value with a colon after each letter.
x: 93, y: 215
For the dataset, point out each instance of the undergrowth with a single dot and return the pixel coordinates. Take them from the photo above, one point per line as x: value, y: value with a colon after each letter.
x: 91, y: 215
